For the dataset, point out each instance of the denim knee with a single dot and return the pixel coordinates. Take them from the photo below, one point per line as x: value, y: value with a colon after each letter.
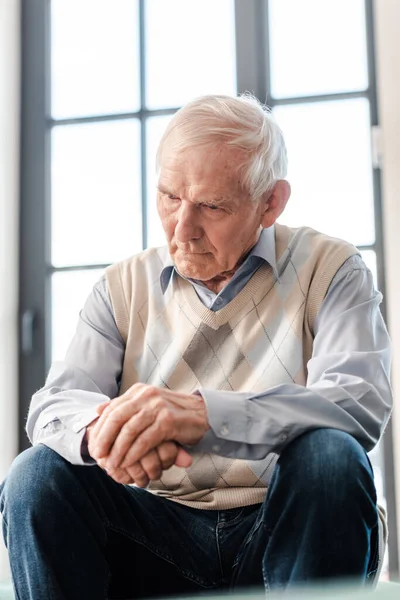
x: 326, y: 456
x: 31, y: 475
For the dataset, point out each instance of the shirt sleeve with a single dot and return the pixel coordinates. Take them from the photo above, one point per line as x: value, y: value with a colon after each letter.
x: 347, y: 388
x: 88, y: 376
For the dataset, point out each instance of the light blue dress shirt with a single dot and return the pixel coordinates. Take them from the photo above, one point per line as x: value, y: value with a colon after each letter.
x: 348, y: 375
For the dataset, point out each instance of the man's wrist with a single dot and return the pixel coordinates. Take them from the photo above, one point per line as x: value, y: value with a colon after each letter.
x: 201, y: 409
x: 86, y: 440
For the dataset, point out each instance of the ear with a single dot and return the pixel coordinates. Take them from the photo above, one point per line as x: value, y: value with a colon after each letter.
x: 275, y: 202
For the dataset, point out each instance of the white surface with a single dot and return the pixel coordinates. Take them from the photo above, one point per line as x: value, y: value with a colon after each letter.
x: 189, y: 49
x: 9, y: 137
x: 102, y: 76
x: 155, y: 127
x: 317, y: 47
x: 330, y: 173
x: 96, y: 193
x: 69, y: 291
x: 387, y: 15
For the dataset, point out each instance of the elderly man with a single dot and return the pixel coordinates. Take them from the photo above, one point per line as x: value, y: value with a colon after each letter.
x: 238, y: 374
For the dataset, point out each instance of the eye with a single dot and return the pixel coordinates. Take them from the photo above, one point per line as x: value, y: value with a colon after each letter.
x: 212, y: 206
x: 172, y: 197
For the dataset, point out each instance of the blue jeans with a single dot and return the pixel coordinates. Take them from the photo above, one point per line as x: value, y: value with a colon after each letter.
x: 73, y: 533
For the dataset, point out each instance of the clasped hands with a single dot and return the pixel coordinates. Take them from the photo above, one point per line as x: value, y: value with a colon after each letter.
x: 139, y: 434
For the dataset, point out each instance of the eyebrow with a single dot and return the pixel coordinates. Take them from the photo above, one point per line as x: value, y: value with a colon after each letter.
x: 162, y: 188
x: 216, y: 200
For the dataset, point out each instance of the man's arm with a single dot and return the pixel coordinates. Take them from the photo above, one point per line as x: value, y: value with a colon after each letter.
x: 87, y: 377
x: 348, y: 389
x: 348, y: 384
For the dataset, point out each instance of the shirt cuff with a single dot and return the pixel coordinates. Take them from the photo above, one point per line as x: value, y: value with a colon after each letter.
x: 232, y: 429
x: 227, y: 414
x: 67, y: 444
x: 66, y: 437
x: 83, y: 419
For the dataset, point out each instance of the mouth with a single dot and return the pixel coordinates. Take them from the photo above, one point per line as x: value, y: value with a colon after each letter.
x: 190, y: 252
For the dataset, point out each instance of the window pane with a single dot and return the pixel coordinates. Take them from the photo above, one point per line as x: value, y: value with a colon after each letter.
x: 95, y: 57
x: 96, y: 193
x: 70, y: 289
x: 190, y: 50
x: 317, y: 47
x: 376, y: 458
x: 155, y: 127
x: 329, y: 152
x: 369, y: 257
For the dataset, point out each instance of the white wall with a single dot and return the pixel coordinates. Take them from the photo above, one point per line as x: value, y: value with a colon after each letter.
x: 9, y: 149
x: 387, y: 16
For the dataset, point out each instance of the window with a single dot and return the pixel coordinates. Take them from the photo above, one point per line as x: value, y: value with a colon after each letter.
x: 101, y: 80
x: 323, y: 95
x: 108, y: 102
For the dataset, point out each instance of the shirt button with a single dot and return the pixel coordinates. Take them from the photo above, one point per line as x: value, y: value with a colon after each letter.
x: 224, y: 430
x: 283, y: 437
x: 216, y: 448
x: 218, y: 301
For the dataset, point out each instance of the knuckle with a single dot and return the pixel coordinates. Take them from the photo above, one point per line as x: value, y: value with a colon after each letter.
x: 116, y: 415
x: 117, y: 475
x: 136, y: 471
x: 167, y: 451
x: 151, y: 390
x: 125, y: 478
x: 153, y: 473
x: 129, y: 430
x: 166, y: 420
x: 146, y: 413
x: 153, y: 470
x: 166, y: 414
x: 159, y: 403
x: 151, y: 464
x: 141, y: 481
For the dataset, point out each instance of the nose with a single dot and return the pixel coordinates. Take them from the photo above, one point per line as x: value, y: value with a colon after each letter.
x: 187, y: 227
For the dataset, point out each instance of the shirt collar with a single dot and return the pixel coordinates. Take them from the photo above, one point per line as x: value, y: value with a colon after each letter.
x: 264, y: 248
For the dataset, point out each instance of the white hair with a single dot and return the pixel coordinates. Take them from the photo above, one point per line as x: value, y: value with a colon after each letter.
x: 242, y: 123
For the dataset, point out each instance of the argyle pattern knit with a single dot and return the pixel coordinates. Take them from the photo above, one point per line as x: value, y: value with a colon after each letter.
x: 262, y: 338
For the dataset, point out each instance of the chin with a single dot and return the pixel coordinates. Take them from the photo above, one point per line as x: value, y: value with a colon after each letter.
x: 194, y: 270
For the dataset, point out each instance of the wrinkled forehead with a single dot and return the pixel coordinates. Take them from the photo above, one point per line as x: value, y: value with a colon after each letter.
x: 220, y: 164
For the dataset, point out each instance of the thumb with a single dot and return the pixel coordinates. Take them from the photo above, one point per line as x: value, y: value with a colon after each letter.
x: 183, y: 458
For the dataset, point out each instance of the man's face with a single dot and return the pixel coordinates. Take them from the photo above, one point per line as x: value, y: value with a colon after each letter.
x: 209, y: 222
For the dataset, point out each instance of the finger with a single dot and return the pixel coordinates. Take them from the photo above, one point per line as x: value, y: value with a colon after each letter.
x: 91, y: 426
x: 126, y: 436
x: 134, y: 391
x: 121, y: 409
x: 102, y: 463
x: 100, y: 408
x: 151, y: 464
x: 149, y: 439
x: 111, y: 405
x: 105, y: 411
x: 120, y: 476
x: 138, y: 475
x: 107, y: 432
x: 183, y: 458
x: 167, y: 452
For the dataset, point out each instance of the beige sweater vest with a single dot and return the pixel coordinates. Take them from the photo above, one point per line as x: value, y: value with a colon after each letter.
x: 262, y: 338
